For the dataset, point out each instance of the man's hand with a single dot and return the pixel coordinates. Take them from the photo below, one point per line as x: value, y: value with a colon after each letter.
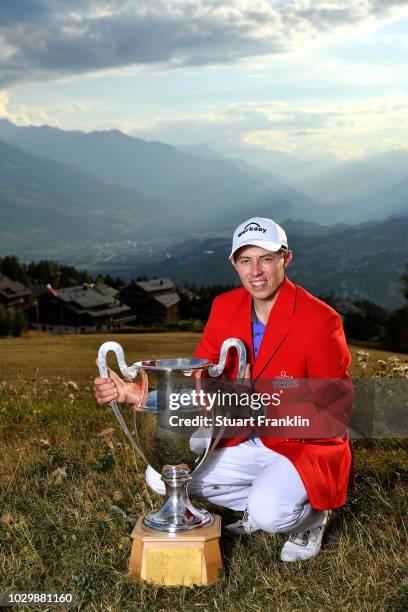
x: 114, y: 388
x: 108, y: 389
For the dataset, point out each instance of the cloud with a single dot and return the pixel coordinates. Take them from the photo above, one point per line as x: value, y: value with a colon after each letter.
x: 45, y: 39
x: 344, y: 129
x: 54, y: 114
x: 3, y: 103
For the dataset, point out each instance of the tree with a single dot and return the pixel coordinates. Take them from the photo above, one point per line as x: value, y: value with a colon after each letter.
x: 11, y: 267
x: 367, y: 322
x: 57, y: 275
x: 404, y: 279
x: 4, y: 321
x: 45, y: 272
x: 116, y: 282
x: 19, y: 323
x: 397, y: 328
x: 70, y: 276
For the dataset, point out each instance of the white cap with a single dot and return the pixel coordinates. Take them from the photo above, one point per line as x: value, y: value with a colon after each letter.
x: 260, y: 232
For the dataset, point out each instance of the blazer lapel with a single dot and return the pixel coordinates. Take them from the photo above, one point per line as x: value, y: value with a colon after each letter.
x: 278, y: 325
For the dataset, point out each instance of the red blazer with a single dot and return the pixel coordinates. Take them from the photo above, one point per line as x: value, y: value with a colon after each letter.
x: 304, y: 338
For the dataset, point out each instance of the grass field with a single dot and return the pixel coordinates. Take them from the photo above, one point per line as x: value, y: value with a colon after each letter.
x: 71, y: 488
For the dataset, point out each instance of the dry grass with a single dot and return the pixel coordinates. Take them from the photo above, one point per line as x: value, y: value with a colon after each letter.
x: 68, y: 498
x: 73, y: 356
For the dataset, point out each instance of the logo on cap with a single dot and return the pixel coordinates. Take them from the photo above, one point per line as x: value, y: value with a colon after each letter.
x: 252, y: 227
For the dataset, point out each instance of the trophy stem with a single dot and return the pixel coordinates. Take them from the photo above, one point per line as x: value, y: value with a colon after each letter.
x: 177, y: 513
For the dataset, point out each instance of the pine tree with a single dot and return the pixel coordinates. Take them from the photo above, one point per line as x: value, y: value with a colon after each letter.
x: 10, y: 266
x: 19, y: 323
x: 5, y: 323
x: 404, y: 279
x: 397, y: 328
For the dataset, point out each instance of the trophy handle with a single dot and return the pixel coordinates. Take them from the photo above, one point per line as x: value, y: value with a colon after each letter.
x: 129, y: 373
x: 217, y: 369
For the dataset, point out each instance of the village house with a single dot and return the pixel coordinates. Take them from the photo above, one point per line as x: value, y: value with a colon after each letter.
x: 78, y: 309
x: 152, y: 301
x: 14, y: 294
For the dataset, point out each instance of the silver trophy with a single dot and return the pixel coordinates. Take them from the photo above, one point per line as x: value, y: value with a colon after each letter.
x: 174, y: 452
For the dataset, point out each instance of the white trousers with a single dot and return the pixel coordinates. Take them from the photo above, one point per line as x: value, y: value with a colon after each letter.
x: 253, y: 477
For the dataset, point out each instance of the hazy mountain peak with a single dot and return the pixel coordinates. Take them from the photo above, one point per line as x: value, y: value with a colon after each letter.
x: 201, y: 187
x: 200, y: 150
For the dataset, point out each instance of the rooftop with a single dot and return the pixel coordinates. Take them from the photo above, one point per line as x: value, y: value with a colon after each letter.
x: 168, y: 299
x: 156, y: 284
x: 86, y: 296
x: 13, y: 288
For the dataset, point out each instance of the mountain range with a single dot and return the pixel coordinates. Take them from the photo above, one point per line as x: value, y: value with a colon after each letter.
x: 45, y: 205
x: 211, y: 193
x: 352, y: 262
x: 109, y: 201
x: 224, y: 191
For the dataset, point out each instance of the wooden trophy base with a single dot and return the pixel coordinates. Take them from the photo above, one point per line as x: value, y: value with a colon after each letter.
x: 181, y: 559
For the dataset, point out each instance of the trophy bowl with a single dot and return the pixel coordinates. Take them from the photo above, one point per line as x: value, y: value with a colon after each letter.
x: 174, y: 437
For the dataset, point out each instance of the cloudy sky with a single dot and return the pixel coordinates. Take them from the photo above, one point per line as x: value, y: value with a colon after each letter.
x: 301, y: 76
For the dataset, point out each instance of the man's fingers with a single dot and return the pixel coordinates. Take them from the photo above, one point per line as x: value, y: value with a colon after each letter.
x: 104, y: 386
x: 105, y: 390
x: 108, y: 389
x: 99, y: 380
x: 107, y: 393
x: 105, y: 398
x: 103, y: 401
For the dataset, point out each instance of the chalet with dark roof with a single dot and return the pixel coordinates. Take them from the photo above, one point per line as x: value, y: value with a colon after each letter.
x: 79, y: 309
x: 152, y: 301
x: 14, y: 294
